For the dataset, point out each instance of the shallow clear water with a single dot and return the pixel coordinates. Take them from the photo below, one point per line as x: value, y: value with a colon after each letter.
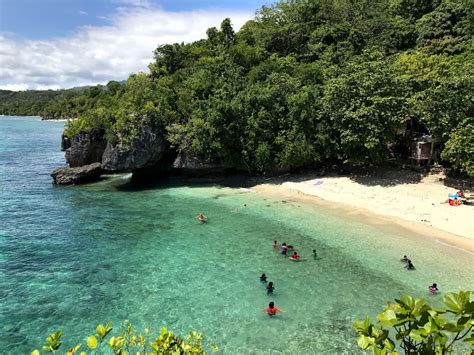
x: 71, y: 257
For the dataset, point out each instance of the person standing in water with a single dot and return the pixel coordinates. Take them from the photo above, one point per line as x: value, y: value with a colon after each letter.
x: 270, y: 288
x: 315, y: 255
x: 275, y: 245
x: 263, y: 278
x: 271, y: 309
x: 284, y: 248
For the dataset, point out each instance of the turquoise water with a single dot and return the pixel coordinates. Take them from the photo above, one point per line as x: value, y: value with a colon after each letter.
x: 71, y: 257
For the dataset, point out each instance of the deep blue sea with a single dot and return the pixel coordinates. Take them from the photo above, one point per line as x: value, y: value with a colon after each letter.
x: 75, y: 256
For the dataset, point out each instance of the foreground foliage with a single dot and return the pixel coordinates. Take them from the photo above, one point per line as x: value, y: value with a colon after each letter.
x: 306, y: 82
x: 418, y: 327
x: 128, y: 341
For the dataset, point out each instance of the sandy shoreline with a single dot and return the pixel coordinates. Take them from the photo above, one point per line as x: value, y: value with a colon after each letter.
x: 413, y: 205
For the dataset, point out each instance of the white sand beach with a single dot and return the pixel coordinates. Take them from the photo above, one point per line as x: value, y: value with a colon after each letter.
x: 410, y: 203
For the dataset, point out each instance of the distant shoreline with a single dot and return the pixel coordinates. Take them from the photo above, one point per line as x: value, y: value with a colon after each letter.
x: 41, y: 118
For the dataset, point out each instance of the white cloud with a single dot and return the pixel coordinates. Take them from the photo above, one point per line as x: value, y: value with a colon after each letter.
x: 82, y: 12
x: 99, y: 54
x: 14, y: 87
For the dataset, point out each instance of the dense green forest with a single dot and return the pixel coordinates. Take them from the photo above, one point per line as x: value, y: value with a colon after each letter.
x: 304, y: 83
x: 54, y: 104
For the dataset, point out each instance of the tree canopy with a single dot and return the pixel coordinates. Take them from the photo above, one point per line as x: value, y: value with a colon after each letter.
x: 303, y: 83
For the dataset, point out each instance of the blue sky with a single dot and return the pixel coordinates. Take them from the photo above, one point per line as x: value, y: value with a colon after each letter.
x: 64, y: 43
x: 47, y: 19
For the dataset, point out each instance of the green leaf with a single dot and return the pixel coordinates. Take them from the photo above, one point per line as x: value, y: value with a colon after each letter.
x: 470, y: 340
x: 387, y: 317
x: 417, y: 334
x: 35, y: 352
x: 101, y: 331
x: 457, y: 302
x: 362, y: 325
x: 454, y: 328
x: 364, y: 342
x: 92, y: 342
x: 389, y: 344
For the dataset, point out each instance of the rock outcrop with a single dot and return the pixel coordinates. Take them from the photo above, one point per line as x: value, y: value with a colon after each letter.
x: 196, y: 166
x: 82, y: 174
x: 85, y: 148
x: 144, y: 151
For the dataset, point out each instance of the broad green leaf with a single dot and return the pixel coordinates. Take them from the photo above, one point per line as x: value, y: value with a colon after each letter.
x: 470, y: 340
x: 389, y: 344
x: 387, y: 317
x: 364, y: 342
x: 454, y: 328
x: 454, y: 302
x: 416, y: 334
x: 92, y: 342
x: 362, y: 325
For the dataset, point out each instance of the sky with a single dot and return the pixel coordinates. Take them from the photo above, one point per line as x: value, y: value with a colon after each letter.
x: 52, y: 44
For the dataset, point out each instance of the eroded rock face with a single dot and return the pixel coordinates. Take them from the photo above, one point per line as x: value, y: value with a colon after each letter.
x: 145, y: 151
x: 86, y: 148
x: 195, y: 166
x: 78, y: 175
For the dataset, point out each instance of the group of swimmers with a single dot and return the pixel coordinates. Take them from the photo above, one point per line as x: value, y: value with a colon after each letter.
x: 409, y: 266
x: 270, y: 287
x: 285, y: 248
x: 271, y: 309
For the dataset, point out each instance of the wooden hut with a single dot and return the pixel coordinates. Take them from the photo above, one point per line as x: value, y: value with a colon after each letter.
x: 422, y: 149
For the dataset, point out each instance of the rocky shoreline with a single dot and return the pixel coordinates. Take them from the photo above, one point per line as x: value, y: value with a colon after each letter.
x: 91, y: 154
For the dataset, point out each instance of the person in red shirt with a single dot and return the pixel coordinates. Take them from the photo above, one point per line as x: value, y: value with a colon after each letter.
x: 294, y: 256
x: 271, y: 309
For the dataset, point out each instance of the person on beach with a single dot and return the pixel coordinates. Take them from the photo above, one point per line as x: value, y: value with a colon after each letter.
x: 433, y: 288
x: 271, y: 309
x: 201, y: 218
x: 270, y: 288
x: 409, y: 265
x: 263, y: 278
x: 295, y: 256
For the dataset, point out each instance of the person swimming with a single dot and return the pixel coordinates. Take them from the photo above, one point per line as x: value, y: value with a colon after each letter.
x: 433, y: 288
x: 271, y: 309
x: 270, y: 288
x: 201, y: 218
x: 294, y: 256
x: 263, y: 278
x: 409, y: 265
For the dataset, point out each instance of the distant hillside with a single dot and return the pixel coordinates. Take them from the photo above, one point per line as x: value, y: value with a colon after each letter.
x: 52, y: 104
